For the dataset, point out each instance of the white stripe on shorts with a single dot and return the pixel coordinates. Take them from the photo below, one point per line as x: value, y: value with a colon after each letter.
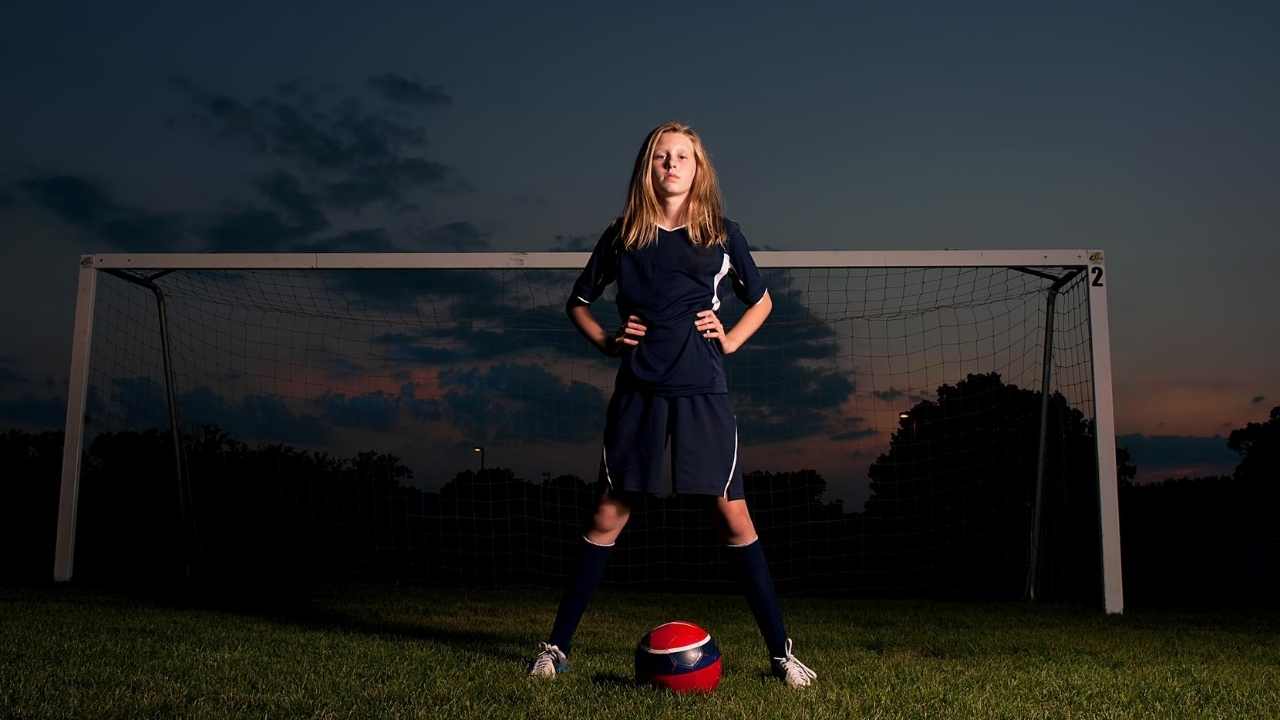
x: 734, y: 466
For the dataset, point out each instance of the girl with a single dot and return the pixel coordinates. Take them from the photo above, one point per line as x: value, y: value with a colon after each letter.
x: 669, y: 253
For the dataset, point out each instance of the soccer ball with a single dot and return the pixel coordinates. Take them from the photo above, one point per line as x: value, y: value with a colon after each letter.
x: 678, y: 656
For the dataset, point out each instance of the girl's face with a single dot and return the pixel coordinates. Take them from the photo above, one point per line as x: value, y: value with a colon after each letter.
x: 673, y: 165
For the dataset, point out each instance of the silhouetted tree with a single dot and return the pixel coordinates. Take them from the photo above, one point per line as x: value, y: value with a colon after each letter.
x: 1259, y: 448
x: 30, y: 464
x: 1207, y: 540
x: 950, y: 511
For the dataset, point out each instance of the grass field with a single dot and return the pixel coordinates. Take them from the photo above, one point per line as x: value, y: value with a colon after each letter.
x: 379, y: 652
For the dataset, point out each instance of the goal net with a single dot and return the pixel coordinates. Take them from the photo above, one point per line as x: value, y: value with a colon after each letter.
x: 933, y: 424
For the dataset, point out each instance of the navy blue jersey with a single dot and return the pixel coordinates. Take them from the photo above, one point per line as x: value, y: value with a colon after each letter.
x: 666, y: 284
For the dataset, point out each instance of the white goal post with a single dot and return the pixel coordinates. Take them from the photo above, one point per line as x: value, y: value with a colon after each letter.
x: 1090, y: 262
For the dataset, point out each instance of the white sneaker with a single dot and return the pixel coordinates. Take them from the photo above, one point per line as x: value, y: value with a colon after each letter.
x: 548, y: 662
x: 793, y: 672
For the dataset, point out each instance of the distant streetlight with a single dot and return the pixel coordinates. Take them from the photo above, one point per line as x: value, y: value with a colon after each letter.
x: 478, y: 449
x: 910, y: 424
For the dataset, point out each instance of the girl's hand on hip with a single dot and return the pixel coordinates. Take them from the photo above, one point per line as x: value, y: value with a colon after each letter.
x: 627, y: 336
x: 708, y: 324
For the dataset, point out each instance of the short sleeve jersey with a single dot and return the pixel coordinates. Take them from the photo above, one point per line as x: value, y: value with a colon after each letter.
x: 666, y: 284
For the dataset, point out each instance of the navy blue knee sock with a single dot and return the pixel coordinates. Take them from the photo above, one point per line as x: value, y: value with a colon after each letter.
x: 753, y: 573
x: 576, y: 596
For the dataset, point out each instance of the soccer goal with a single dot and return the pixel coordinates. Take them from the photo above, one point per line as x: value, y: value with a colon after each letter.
x: 923, y: 423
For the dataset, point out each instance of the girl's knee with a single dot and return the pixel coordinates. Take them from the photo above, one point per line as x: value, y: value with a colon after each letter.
x: 607, y: 522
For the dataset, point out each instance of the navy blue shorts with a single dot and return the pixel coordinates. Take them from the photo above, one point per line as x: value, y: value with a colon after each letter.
x: 704, y: 444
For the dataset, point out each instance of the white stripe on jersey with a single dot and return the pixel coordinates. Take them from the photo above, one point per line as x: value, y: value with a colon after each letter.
x: 715, y: 285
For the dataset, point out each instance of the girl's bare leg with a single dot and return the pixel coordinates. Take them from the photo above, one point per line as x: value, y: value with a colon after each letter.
x: 734, y: 521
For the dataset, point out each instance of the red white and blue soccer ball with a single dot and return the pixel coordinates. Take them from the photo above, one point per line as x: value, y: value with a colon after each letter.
x: 678, y: 656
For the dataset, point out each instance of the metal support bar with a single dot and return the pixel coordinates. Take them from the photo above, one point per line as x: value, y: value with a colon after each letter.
x: 1037, y: 273
x: 73, y: 436
x: 1046, y: 377
x: 166, y: 353
x: 180, y: 470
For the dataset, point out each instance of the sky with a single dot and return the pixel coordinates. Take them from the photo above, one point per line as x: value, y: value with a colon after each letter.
x: 1143, y: 130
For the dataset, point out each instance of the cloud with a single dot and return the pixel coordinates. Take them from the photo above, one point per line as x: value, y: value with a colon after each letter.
x: 790, y: 396
x: 459, y: 236
x: 85, y: 204
x: 138, y: 403
x: 254, y: 229
x: 1178, y: 454
x: 32, y: 410
x: 349, y: 156
x: 387, y: 183
x: 10, y: 377
x: 477, y: 327
x: 366, y: 240
x: 377, y: 410
x: 334, y: 157
x: 573, y: 243
x: 392, y: 288
x: 410, y: 349
x: 796, y: 402
x: 399, y: 291
x: 855, y: 432
x: 399, y: 89
x: 287, y: 193
x: 127, y: 402
x: 255, y: 417
x: 426, y: 409
x: 75, y: 200
x: 894, y: 394
x: 512, y: 402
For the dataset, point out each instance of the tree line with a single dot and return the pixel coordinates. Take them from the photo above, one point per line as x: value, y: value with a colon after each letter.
x: 949, y: 515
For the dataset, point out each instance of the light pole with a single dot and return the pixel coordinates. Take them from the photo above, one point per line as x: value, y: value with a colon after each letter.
x: 479, y: 449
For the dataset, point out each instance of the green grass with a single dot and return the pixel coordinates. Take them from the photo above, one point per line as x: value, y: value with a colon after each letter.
x: 376, y: 652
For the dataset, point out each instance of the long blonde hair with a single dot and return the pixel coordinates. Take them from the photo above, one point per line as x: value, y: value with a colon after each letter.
x: 643, y: 213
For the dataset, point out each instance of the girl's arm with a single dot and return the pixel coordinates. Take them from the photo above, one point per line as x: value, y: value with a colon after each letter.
x: 748, y: 324
x: 604, y: 342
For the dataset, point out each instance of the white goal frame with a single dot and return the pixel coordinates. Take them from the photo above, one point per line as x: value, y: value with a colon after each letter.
x: 1091, y: 261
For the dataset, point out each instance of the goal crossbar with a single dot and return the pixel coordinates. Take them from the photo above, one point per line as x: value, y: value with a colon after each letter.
x: 569, y: 260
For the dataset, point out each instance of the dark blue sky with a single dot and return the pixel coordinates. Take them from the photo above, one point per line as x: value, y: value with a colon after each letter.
x: 1145, y: 130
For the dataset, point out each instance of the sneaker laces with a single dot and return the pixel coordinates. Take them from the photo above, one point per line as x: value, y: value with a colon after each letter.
x: 796, y: 672
x: 547, y: 658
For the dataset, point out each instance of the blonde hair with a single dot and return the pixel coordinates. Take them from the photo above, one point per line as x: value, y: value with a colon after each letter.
x: 638, y: 226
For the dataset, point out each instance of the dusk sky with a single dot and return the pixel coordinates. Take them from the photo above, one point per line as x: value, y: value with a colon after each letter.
x: 1145, y: 130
